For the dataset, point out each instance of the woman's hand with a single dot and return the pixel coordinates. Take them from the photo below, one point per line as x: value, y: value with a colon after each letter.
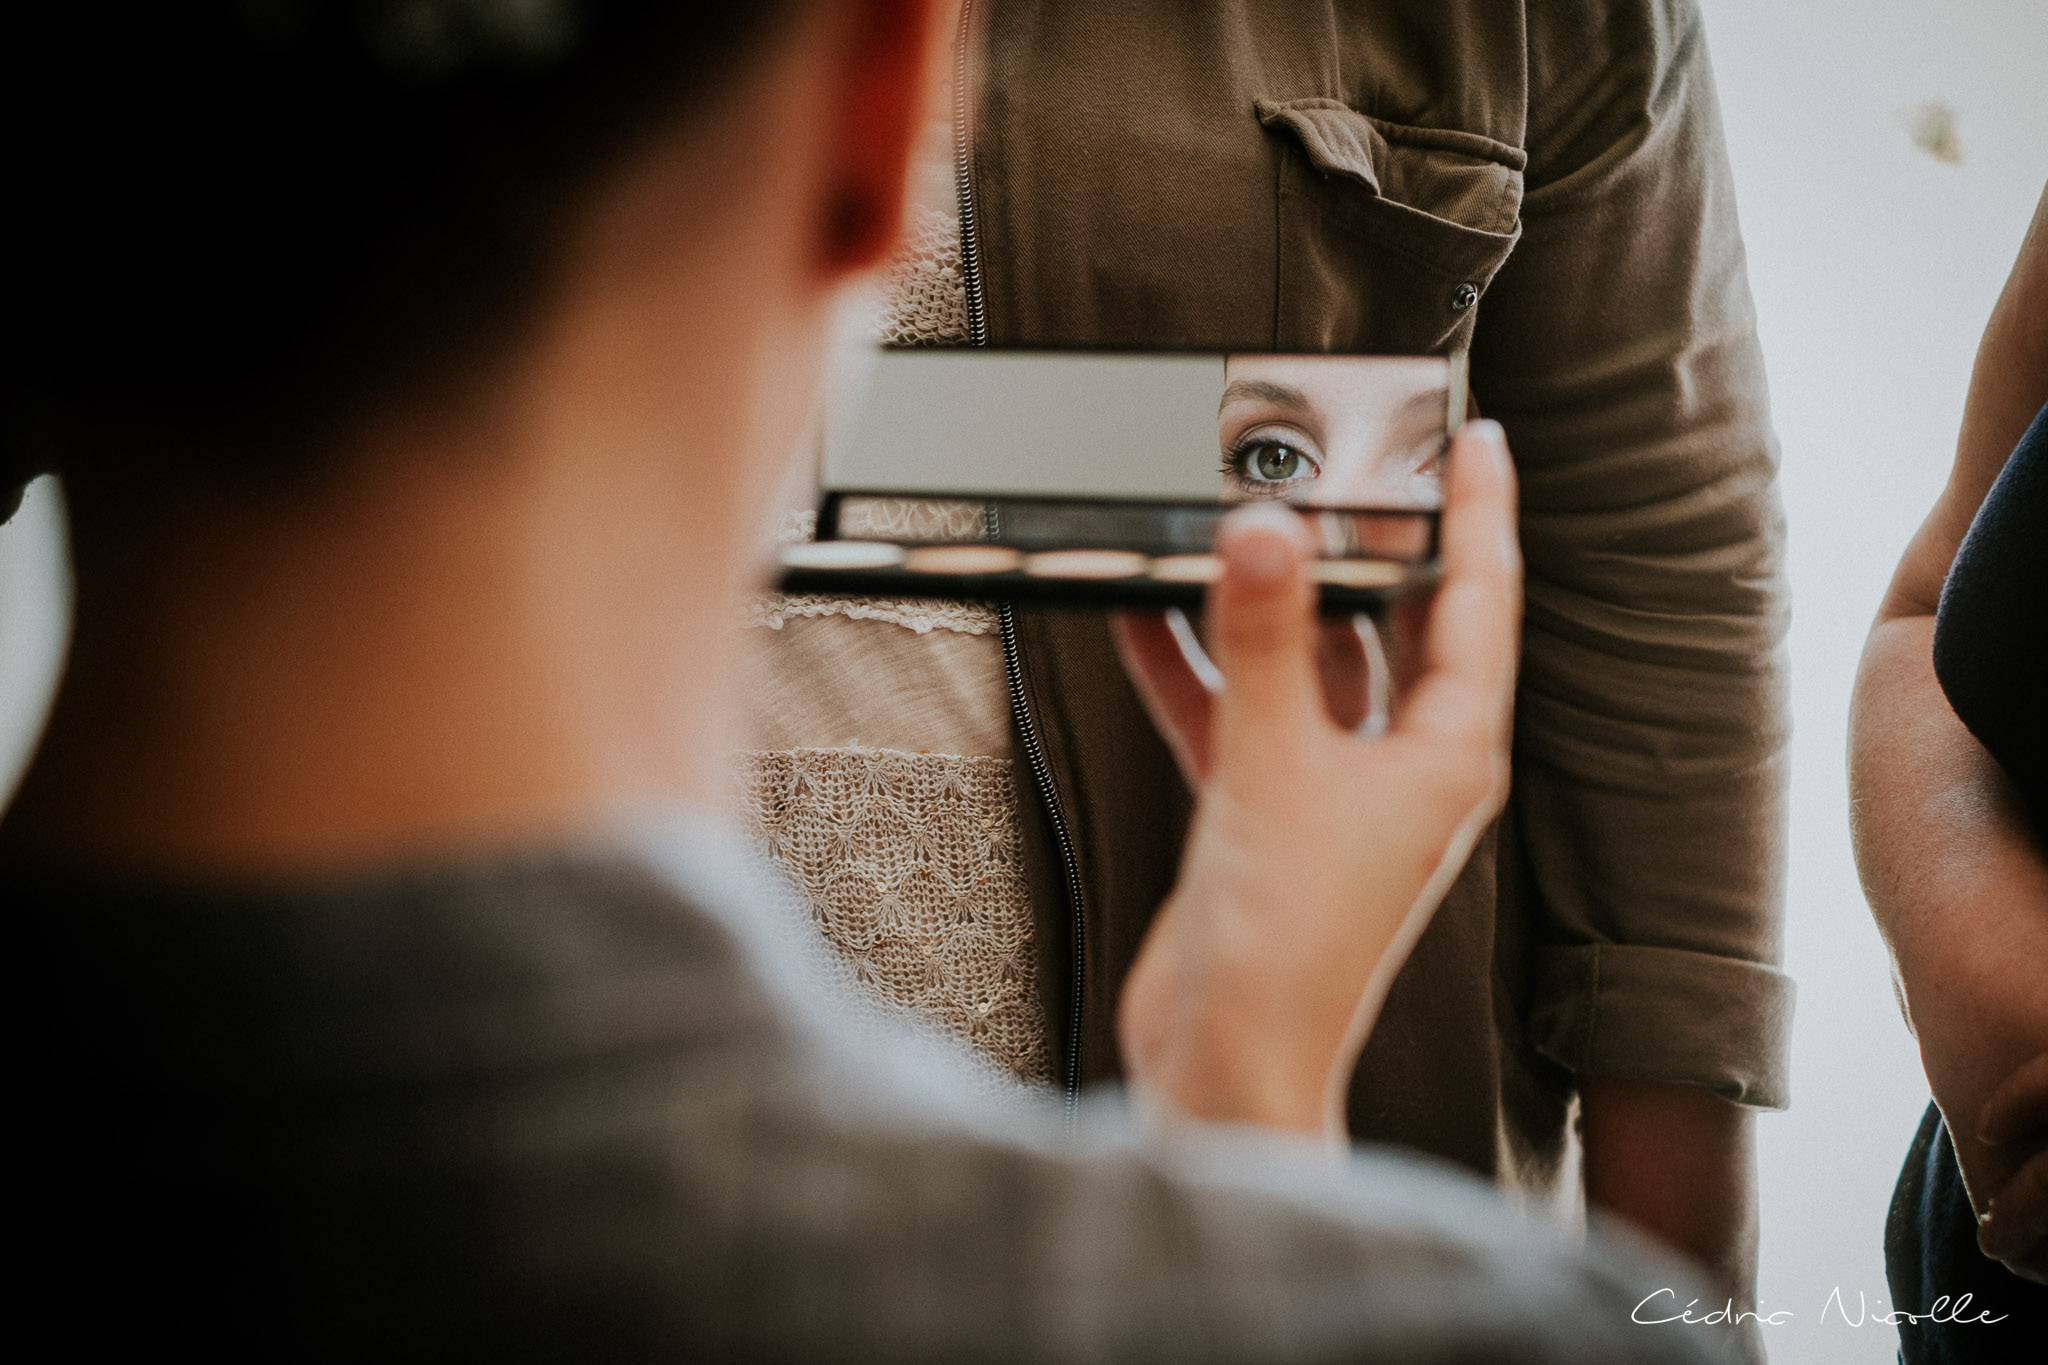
x: 1318, y: 852
x: 2015, y: 1226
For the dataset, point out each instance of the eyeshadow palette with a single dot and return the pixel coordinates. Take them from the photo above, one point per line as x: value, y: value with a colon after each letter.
x: 1101, y: 550
x: 1101, y: 478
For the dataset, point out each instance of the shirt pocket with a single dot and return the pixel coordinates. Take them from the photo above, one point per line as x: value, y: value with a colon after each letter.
x: 1388, y: 233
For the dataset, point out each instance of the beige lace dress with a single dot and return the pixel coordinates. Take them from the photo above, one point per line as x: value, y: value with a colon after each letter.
x: 881, y: 777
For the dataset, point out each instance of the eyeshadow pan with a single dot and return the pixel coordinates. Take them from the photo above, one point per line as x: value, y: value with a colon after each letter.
x: 1086, y: 564
x: 842, y: 554
x: 1187, y: 568
x: 1358, y: 573
x: 963, y: 559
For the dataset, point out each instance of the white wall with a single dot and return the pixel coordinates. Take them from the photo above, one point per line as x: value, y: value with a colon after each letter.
x: 1874, y: 266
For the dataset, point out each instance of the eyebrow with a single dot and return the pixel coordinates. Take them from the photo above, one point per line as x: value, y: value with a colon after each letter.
x: 1428, y: 401
x: 1263, y: 389
x: 1435, y: 402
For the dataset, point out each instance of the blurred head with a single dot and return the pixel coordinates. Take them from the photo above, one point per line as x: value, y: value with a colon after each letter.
x: 244, y: 226
x: 421, y: 374
x: 1339, y: 431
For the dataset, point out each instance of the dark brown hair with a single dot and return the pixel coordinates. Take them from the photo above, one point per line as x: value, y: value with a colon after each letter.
x: 235, y: 218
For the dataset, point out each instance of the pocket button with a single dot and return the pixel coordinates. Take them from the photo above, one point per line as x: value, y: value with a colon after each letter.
x: 1464, y: 296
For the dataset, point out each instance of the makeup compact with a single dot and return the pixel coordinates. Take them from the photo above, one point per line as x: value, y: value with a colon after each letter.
x: 1101, y: 477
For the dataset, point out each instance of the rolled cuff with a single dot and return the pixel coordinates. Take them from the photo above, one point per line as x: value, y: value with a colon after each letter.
x: 1666, y: 1014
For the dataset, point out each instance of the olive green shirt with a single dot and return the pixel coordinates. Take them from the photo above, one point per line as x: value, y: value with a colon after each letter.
x: 1546, y: 184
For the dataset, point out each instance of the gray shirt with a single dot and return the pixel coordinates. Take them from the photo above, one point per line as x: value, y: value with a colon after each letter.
x: 615, y: 1103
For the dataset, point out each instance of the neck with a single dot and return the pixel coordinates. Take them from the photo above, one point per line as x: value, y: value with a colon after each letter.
x: 510, y: 627
x: 367, y: 680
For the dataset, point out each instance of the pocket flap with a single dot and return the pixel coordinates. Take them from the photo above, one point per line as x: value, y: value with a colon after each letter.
x: 1461, y: 177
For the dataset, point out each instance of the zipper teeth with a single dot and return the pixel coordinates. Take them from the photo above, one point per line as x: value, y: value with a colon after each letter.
x: 1013, y: 664
x: 970, y: 244
x: 1041, y: 776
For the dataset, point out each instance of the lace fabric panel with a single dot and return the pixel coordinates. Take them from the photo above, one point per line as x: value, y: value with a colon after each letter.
x: 798, y: 525
x: 911, y: 861
x: 869, y: 518
x: 924, y: 287
x: 773, y: 610
x: 835, y: 682
x: 913, y: 868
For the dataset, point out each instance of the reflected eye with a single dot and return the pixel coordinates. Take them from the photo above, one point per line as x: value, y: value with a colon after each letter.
x: 1270, y: 465
x: 1272, y: 462
x: 1429, y: 454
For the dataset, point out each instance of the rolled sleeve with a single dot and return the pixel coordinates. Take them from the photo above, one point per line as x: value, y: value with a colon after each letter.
x: 1618, y: 348
x: 1638, y: 1013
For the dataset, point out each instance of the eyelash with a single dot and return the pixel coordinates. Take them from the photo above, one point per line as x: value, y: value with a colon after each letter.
x: 1234, y: 464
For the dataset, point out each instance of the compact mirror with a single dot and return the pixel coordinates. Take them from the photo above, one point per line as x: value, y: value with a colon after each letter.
x: 1087, y: 476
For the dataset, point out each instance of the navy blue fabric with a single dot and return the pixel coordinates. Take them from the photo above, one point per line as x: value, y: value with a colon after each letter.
x: 1930, y: 1253
x: 1991, y: 632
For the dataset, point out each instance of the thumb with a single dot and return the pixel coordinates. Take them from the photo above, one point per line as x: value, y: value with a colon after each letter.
x: 1261, y: 619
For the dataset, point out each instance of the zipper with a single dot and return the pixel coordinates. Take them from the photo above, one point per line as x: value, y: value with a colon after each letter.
x: 1013, y: 663
x: 970, y: 237
x: 1070, y: 868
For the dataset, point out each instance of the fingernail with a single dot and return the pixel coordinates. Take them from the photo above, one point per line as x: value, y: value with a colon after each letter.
x: 1988, y: 1131
x: 1490, y: 432
x: 1261, y: 543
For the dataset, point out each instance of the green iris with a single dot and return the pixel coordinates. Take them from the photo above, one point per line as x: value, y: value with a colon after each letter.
x: 1276, y: 463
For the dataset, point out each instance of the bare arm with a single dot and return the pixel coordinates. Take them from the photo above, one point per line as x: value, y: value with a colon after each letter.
x: 1952, y: 871
x: 1679, y: 1162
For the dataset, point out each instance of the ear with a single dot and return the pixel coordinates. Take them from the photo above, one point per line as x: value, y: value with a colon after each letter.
x: 888, y: 65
